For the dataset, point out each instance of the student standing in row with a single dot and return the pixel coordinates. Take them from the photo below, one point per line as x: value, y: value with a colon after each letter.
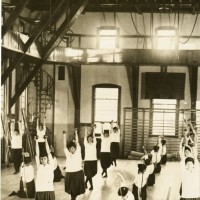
x: 115, y: 141
x: 16, y: 145
x: 41, y: 135
x: 90, y: 165
x: 139, y: 186
x: 45, y: 174
x: 105, y: 156
x: 27, y: 183
x: 57, y: 172
x: 74, y: 177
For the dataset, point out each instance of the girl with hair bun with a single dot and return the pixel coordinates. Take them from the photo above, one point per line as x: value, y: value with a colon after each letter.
x: 105, y: 156
x: 139, y: 186
x: 27, y: 183
x: 45, y: 174
x: 90, y: 165
x: 74, y: 177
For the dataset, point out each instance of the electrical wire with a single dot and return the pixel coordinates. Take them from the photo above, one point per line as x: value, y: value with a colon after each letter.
x: 135, y: 24
x: 191, y: 31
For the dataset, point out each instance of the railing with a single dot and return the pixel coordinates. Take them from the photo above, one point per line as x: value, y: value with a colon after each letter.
x: 141, y: 130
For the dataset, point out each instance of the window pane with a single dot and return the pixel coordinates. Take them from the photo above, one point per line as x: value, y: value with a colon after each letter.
x: 106, y: 104
x: 164, y: 117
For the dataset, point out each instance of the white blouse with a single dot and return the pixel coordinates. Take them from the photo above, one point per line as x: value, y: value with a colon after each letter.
x: 156, y: 156
x: 41, y: 134
x: 16, y: 141
x: 44, y: 178
x: 105, y: 144
x: 115, y: 137
x: 190, y: 181
x: 141, y: 179
x: 27, y: 173
x: 73, y: 161
x: 90, y: 150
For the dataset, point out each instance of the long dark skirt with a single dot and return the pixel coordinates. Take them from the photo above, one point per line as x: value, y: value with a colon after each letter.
x: 74, y: 183
x: 57, y: 175
x: 90, y: 168
x: 143, y: 194
x: 114, y: 150
x: 157, y: 168
x: 151, y: 180
x: 30, y: 193
x: 105, y: 159
x: 164, y: 159
x: 17, y: 158
x: 48, y: 195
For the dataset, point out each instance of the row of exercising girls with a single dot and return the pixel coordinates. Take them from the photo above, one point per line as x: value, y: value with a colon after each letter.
x: 151, y: 164
x: 48, y: 170
x: 189, y: 168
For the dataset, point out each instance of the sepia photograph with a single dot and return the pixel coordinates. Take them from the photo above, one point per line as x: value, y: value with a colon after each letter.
x: 100, y: 99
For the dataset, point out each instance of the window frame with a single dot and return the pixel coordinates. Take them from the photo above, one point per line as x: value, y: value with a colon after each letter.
x: 108, y: 28
x: 176, y: 120
x: 167, y: 28
x: 106, y: 86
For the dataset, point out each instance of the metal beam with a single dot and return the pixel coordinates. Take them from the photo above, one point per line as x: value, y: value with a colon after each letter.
x: 80, y: 6
x: 65, y: 26
x: 30, y: 41
x: 10, y: 21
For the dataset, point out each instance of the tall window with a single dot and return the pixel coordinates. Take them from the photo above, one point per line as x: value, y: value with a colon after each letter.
x: 106, y: 105
x: 164, y: 117
x: 166, y: 38
x: 108, y: 37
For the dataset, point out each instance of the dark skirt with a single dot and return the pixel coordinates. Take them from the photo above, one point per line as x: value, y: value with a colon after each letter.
x: 105, y: 160
x: 48, y: 195
x: 190, y: 198
x: 114, y: 150
x: 74, y: 183
x: 90, y: 168
x: 157, y: 168
x: 164, y: 159
x: 57, y: 175
x: 30, y: 190
x: 151, y: 180
x: 143, y: 194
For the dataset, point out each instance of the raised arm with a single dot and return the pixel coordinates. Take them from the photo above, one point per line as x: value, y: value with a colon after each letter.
x: 44, y: 124
x: 12, y: 128
x: 48, y: 152
x: 102, y: 129
x: 20, y: 127
x: 37, y: 155
x: 181, y: 149
x: 64, y: 140
x: 122, y: 179
x: 37, y: 125
x: 76, y: 136
x: 85, y: 137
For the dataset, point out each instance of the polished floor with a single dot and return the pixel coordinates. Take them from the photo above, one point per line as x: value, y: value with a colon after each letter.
x: 166, y: 187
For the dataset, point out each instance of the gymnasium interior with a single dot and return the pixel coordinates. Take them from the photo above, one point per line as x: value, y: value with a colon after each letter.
x: 76, y: 63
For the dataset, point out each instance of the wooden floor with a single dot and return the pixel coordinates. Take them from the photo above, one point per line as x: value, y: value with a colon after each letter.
x: 167, y: 183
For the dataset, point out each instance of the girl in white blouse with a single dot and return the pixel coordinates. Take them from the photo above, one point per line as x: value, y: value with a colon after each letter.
x: 27, y: 183
x: 90, y: 165
x: 105, y: 156
x: 16, y: 145
x: 45, y: 174
x: 74, y: 177
x: 115, y: 141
